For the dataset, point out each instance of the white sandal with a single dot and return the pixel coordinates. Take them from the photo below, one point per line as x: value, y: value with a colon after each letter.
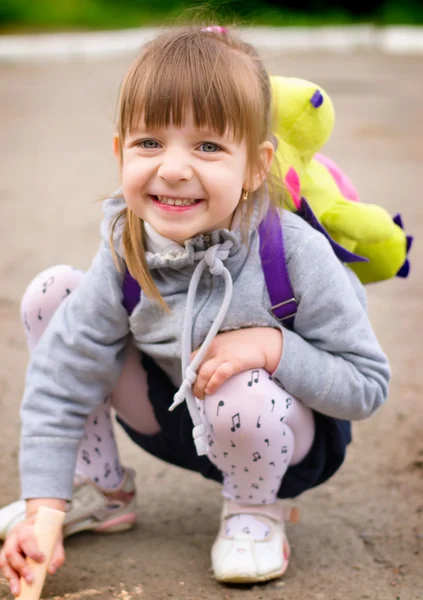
x: 241, y: 559
x: 93, y: 508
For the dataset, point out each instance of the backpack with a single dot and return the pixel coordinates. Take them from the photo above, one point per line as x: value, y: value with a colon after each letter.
x: 272, y: 255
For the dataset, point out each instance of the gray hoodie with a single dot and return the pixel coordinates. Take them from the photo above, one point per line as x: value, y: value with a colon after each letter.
x: 332, y: 360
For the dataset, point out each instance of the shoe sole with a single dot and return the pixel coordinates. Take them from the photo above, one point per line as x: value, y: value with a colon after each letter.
x: 119, y: 524
x: 116, y: 525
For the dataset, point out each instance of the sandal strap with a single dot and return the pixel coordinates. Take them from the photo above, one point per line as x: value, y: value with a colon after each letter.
x: 276, y: 512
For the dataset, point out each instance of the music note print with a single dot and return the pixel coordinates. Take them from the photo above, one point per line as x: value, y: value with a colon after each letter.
x: 284, y: 450
x: 47, y: 284
x: 258, y: 423
x: 267, y: 442
x: 288, y: 402
x: 273, y: 405
x: 255, y: 486
x: 256, y: 456
x: 254, y: 377
x: 26, y: 322
x: 236, y: 422
x: 232, y: 444
x: 225, y: 454
x: 221, y: 403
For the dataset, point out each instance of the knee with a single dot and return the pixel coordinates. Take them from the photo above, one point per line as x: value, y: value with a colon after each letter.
x: 252, y: 402
x: 235, y: 406
x: 50, y: 287
x: 43, y: 296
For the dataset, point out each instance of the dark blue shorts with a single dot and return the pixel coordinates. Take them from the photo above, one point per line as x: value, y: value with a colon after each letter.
x: 174, y: 444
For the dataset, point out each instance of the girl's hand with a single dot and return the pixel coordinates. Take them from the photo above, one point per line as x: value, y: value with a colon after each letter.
x: 21, y: 543
x: 232, y: 352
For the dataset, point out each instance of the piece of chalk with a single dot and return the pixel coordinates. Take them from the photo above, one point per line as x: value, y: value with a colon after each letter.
x: 47, y: 528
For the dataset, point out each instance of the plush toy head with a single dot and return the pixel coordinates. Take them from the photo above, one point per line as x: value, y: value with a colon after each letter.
x: 303, y: 118
x: 303, y: 115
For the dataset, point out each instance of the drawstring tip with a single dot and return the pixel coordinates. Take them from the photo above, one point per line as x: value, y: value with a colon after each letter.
x: 199, y: 435
x: 200, y: 446
x: 177, y: 400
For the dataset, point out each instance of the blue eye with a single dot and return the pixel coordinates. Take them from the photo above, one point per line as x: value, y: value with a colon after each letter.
x: 210, y: 147
x: 148, y: 144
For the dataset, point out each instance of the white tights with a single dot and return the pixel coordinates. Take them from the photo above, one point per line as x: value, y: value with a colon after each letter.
x: 255, y: 429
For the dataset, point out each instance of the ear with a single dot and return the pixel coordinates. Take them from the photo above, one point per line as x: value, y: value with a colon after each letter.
x: 266, y: 153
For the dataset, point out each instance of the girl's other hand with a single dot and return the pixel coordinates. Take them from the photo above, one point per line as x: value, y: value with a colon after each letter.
x: 232, y: 352
x: 21, y: 543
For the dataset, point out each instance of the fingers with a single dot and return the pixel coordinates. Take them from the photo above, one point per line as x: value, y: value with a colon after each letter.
x: 224, y: 371
x: 28, y: 544
x: 58, y: 558
x: 13, y: 579
x: 14, y: 565
x: 212, y: 374
x: 204, y: 374
x: 19, y: 545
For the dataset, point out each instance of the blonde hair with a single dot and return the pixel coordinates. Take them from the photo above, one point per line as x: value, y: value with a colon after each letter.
x: 216, y: 77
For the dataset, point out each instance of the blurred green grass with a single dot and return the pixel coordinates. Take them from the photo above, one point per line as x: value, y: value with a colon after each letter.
x: 59, y: 15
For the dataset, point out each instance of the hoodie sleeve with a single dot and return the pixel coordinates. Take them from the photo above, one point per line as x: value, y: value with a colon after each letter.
x: 74, y: 366
x: 332, y: 361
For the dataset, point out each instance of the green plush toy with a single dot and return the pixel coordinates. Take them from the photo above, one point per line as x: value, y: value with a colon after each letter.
x: 303, y: 119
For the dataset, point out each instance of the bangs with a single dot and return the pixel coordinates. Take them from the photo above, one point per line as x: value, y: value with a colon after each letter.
x: 193, y: 74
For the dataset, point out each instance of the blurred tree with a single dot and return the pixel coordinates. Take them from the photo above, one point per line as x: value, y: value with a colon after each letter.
x: 94, y: 14
x: 354, y: 7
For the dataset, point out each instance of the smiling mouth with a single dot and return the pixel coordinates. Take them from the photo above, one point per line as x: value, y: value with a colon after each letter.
x: 176, y: 201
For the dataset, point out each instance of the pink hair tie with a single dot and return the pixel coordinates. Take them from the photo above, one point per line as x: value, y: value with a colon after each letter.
x: 215, y: 29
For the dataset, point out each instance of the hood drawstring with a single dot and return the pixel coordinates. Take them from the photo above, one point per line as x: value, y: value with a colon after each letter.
x: 213, y: 259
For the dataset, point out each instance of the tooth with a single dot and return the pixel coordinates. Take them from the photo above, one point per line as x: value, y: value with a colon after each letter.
x: 177, y: 202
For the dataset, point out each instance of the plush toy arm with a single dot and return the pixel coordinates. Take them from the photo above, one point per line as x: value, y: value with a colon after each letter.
x: 359, y: 222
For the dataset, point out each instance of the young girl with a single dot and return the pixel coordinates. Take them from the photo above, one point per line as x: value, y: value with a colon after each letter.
x: 270, y: 402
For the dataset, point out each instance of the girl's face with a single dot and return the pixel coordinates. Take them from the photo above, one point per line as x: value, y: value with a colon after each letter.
x: 182, y: 181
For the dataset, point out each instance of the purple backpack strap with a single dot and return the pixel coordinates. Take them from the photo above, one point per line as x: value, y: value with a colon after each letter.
x: 131, y: 292
x: 284, y: 305
x: 272, y: 254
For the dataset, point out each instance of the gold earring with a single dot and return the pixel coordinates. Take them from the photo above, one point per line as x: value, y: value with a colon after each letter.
x: 245, y: 196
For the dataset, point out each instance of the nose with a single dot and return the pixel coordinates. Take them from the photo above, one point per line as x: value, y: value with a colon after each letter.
x: 175, y: 166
